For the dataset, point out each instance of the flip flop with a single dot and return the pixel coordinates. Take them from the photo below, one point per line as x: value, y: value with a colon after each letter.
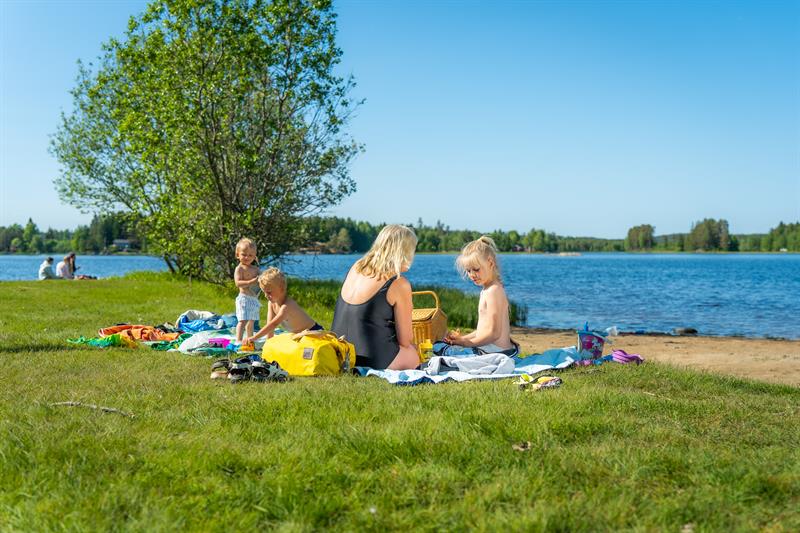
x: 621, y: 356
x: 527, y: 382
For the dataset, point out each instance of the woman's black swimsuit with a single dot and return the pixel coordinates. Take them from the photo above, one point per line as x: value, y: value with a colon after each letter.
x: 370, y: 327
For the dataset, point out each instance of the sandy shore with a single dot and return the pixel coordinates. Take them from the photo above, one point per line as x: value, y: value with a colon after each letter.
x: 776, y: 361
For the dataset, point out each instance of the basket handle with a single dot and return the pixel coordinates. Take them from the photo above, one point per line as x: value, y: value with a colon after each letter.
x: 435, y: 296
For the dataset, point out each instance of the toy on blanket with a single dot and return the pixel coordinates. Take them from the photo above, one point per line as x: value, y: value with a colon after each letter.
x: 590, y: 343
x: 530, y: 383
x: 247, y: 347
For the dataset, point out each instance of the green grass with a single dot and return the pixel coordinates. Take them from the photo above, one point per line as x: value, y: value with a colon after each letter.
x: 647, y: 448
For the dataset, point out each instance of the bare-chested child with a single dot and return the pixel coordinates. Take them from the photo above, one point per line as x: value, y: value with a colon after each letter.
x: 478, y: 261
x: 246, y: 279
x: 282, y: 310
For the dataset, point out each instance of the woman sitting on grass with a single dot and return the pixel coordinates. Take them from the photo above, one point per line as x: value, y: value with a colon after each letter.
x: 65, y: 269
x: 374, y: 307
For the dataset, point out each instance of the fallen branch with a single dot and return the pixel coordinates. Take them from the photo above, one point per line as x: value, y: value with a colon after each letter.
x: 96, y: 407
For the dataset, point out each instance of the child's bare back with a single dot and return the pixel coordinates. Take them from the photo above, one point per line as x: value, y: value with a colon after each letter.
x: 295, y: 318
x: 282, y: 311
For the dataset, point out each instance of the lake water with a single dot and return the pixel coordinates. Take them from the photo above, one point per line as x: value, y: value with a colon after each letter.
x: 754, y: 295
x: 26, y: 267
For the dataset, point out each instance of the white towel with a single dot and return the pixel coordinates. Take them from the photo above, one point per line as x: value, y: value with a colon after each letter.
x: 486, y: 364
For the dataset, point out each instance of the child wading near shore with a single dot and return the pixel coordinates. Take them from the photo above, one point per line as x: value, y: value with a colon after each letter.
x: 478, y: 261
x: 246, y: 278
x: 282, y: 310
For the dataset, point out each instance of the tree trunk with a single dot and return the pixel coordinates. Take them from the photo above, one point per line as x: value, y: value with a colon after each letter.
x: 170, y: 266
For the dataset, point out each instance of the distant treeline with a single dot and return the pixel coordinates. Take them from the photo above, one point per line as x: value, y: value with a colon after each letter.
x: 116, y: 232
x: 711, y: 235
x: 106, y: 234
x: 342, y: 235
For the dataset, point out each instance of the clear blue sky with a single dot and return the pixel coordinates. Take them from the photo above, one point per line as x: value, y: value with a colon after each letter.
x: 582, y: 118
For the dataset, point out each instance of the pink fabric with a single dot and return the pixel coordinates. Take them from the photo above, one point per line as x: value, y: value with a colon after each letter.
x: 621, y: 356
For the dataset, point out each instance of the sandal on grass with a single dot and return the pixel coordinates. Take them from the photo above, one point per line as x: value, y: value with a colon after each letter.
x: 224, y: 364
x: 262, y: 371
x: 220, y: 368
x: 240, y: 370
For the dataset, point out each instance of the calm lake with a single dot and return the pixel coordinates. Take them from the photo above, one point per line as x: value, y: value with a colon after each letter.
x: 755, y: 295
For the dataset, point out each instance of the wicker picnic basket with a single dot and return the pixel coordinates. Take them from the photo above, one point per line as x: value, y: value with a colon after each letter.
x: 429, y: 323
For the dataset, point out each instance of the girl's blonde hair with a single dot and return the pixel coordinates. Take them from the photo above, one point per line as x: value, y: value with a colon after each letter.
x: 477, y: 253
x: 392, y: 250
x: 272, y: 277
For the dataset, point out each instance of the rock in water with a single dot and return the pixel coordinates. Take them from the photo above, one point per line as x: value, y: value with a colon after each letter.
x: 684, y: 331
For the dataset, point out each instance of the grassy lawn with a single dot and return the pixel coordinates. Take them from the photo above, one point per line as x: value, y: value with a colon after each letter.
x: 615, y: 448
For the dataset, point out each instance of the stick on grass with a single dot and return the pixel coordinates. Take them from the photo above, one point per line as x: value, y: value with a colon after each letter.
x: 96, y: 407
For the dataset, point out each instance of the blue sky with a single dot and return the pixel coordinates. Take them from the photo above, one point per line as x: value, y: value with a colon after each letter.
x: 582, y: 118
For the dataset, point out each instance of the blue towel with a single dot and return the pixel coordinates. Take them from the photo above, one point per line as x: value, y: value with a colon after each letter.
x: 533, y: 364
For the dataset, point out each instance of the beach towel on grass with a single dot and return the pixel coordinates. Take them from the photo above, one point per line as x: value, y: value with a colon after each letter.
x: 164, y: 346
x: 196, y: 321
x: 137, y: 332
x: 492, y: 363
x: 199, y: 342
x: 104, y: 342
x: 533, y: 364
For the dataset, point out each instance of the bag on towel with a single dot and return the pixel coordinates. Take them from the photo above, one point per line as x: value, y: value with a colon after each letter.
x: 310, y: 353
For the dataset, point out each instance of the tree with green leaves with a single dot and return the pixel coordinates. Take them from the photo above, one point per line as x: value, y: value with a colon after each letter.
x: 211, y: 121
x: 641, y: 237
x: 30, y: 231
x: 709, y: 235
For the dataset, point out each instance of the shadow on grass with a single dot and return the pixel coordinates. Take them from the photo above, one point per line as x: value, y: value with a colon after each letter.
x: 35, y: 348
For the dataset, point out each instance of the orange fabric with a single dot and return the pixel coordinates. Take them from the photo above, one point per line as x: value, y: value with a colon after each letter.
x: 138, y: 333
x: 105, y: 332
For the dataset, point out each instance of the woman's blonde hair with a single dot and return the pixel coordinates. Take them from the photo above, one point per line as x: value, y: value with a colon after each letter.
x: 272, y: 277
x: 392, y: 250
x: 477, y: 253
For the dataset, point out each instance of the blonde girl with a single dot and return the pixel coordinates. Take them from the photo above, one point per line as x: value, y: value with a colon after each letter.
x: 478, y: 262
x: 373, y: 310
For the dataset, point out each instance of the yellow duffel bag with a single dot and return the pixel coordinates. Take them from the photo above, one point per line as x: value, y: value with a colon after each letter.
x: 310, y: 353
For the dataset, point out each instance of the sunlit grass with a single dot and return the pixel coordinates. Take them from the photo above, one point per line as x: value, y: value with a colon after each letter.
x: 645, y: 448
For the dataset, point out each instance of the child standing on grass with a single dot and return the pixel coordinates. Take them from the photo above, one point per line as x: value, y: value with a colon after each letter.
x: 246, y: 279
x: 478, y: 262
x: 281, y: 310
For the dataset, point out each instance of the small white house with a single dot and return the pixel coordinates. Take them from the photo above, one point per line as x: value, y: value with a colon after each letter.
x: 122, y: 244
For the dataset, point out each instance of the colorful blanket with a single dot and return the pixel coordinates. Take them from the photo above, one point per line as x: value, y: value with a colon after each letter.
x: 137, y: 332
x: 533, y: 364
